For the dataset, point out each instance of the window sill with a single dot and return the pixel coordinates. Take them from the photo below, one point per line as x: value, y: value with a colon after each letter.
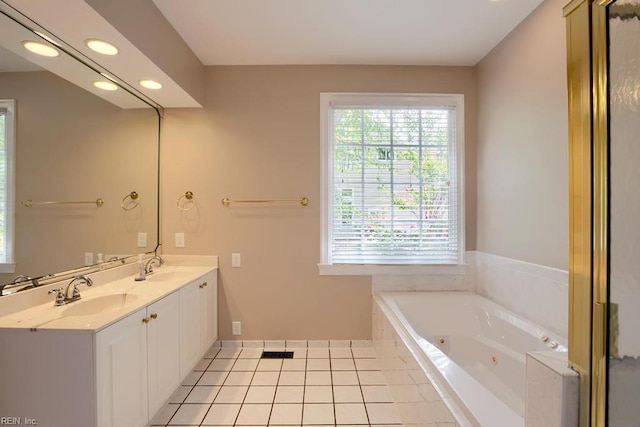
x: 396, y: 270
x: 7, y: 267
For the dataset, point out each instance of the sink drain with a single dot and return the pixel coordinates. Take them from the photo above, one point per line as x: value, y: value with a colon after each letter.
x: 494, y: 360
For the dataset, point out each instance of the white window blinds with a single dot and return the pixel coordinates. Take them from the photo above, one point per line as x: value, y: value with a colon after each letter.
x: 394, y: 190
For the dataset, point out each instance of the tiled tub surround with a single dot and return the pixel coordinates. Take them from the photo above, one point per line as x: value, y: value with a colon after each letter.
x: 458, y: 351
x: 327, y: 383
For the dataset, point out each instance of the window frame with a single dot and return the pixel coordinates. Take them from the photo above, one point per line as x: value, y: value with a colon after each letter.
x: 9, y: 106
x: 329, y: 99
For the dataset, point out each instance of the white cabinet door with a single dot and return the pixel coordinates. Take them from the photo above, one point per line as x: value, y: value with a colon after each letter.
x: 209, y: 309
x: 163, y: 341
x: 121, y: 371
x: 190, y: 327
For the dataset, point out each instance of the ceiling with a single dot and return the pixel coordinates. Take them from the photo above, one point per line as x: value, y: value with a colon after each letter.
x: 383, y: 32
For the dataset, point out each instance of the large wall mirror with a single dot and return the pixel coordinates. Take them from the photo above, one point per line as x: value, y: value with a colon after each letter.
x: 74, y: 144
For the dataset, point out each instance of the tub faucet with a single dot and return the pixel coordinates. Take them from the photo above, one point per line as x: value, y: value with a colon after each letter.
x: 156, y: 260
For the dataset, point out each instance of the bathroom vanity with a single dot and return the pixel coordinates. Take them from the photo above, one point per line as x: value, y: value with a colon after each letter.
x: 114, y: 357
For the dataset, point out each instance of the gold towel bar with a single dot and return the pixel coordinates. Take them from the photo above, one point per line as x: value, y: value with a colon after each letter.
x: 303, y: 201
x: 30, y: 203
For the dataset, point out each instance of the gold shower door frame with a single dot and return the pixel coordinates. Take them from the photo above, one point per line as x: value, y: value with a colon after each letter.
x: 587, y: 67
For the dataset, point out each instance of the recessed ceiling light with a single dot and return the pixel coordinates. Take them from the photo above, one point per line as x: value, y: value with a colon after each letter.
x: 40, y: 48
x: 101, y: 84
x: 101, y: 46
x: 150, y: 84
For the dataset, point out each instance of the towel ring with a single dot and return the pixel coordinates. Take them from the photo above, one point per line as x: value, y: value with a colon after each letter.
x: 190, y: 201
x: 132, y: 203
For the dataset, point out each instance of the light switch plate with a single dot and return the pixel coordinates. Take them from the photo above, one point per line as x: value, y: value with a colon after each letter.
x: 142, y: 240
x: 236, y: 260
x: 179, y: 240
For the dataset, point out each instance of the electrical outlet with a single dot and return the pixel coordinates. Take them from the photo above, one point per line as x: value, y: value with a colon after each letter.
x: 88, y: 258
x: 142, y: 240
x: 179, y: 240
x: 236, y: 260
x: 236, y: 328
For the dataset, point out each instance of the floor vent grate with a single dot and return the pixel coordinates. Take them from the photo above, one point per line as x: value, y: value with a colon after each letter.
x: 277, y: 355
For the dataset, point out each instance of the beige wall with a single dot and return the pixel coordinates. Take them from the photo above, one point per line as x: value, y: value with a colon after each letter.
x: 258, y: 137
x: 522, y: 143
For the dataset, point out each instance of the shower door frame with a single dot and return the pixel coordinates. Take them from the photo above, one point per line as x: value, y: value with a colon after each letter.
x: 587, y: 68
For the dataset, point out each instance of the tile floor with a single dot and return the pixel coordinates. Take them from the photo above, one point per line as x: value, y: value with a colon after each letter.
x: 318, y: 387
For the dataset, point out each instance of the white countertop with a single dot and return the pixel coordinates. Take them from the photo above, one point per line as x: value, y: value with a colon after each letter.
x: 135, y: 295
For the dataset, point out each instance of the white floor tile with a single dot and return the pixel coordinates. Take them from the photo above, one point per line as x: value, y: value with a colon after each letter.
x: 289, y: 394
x: 318, y: 365
x: 347, y: 394
x: 294, y: 365
x: 291, y: 378
x: 340, y: 353
x: 222, y: 415
x: 361, y: 343
x: 212, y: 378
x: 286, y: 414
x: 265, y: 378
x: 342, y: 365
x: 299, y: 353
x: 317, y: 353
x: 189, y: 414
x: 371, y: 378
x: 363, y: 353
x: 221, y: 365
x: 252, y: 344
x: 345, y: 378
x: 164, y: 415
x: 274, y: 345
x: 212, y: 352
x: 318, y: 344
x: 317, y: 413
x: 290, y: 344
x: 351, y: 413
x: 236, y: 378
x: 245, y: 365
x: 191, y: 378
x: 340, y: 343
x: 383, y: 413
x: 202, y: 394
x: 202, y: 365
x: 376, y: 393
x: 180, y: 394
x: 260, y: 394
x: 367, y: 365
x: 251, y: 353
x: 270, y: 365
x: 318, y: 378
x: 318, y: 394
x: 228, y: 353
x: 254, y: 414
x: 231, y: 394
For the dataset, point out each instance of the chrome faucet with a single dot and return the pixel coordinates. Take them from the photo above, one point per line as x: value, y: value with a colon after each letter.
x: 156, y: 260
x: 63, y: 297
x: 77, y: 281
x: 20, y: 283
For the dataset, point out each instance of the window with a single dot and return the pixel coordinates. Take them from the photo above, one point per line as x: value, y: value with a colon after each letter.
x: 7, y: 143
x: 392, y: 179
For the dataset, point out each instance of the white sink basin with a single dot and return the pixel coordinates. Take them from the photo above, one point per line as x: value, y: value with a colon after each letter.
x: 99, y: 305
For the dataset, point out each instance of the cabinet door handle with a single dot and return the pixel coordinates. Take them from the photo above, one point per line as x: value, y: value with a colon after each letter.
x: 145, y: 320
x: 154, y: 315
x: 204, y: 285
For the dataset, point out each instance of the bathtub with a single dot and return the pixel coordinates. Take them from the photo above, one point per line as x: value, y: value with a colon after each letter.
x: 472, y: 350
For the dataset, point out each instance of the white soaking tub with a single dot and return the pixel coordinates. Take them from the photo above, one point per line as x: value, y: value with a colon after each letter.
x: 472, y: 349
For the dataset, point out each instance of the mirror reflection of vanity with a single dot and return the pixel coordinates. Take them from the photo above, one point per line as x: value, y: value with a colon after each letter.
x: 74, y: 146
